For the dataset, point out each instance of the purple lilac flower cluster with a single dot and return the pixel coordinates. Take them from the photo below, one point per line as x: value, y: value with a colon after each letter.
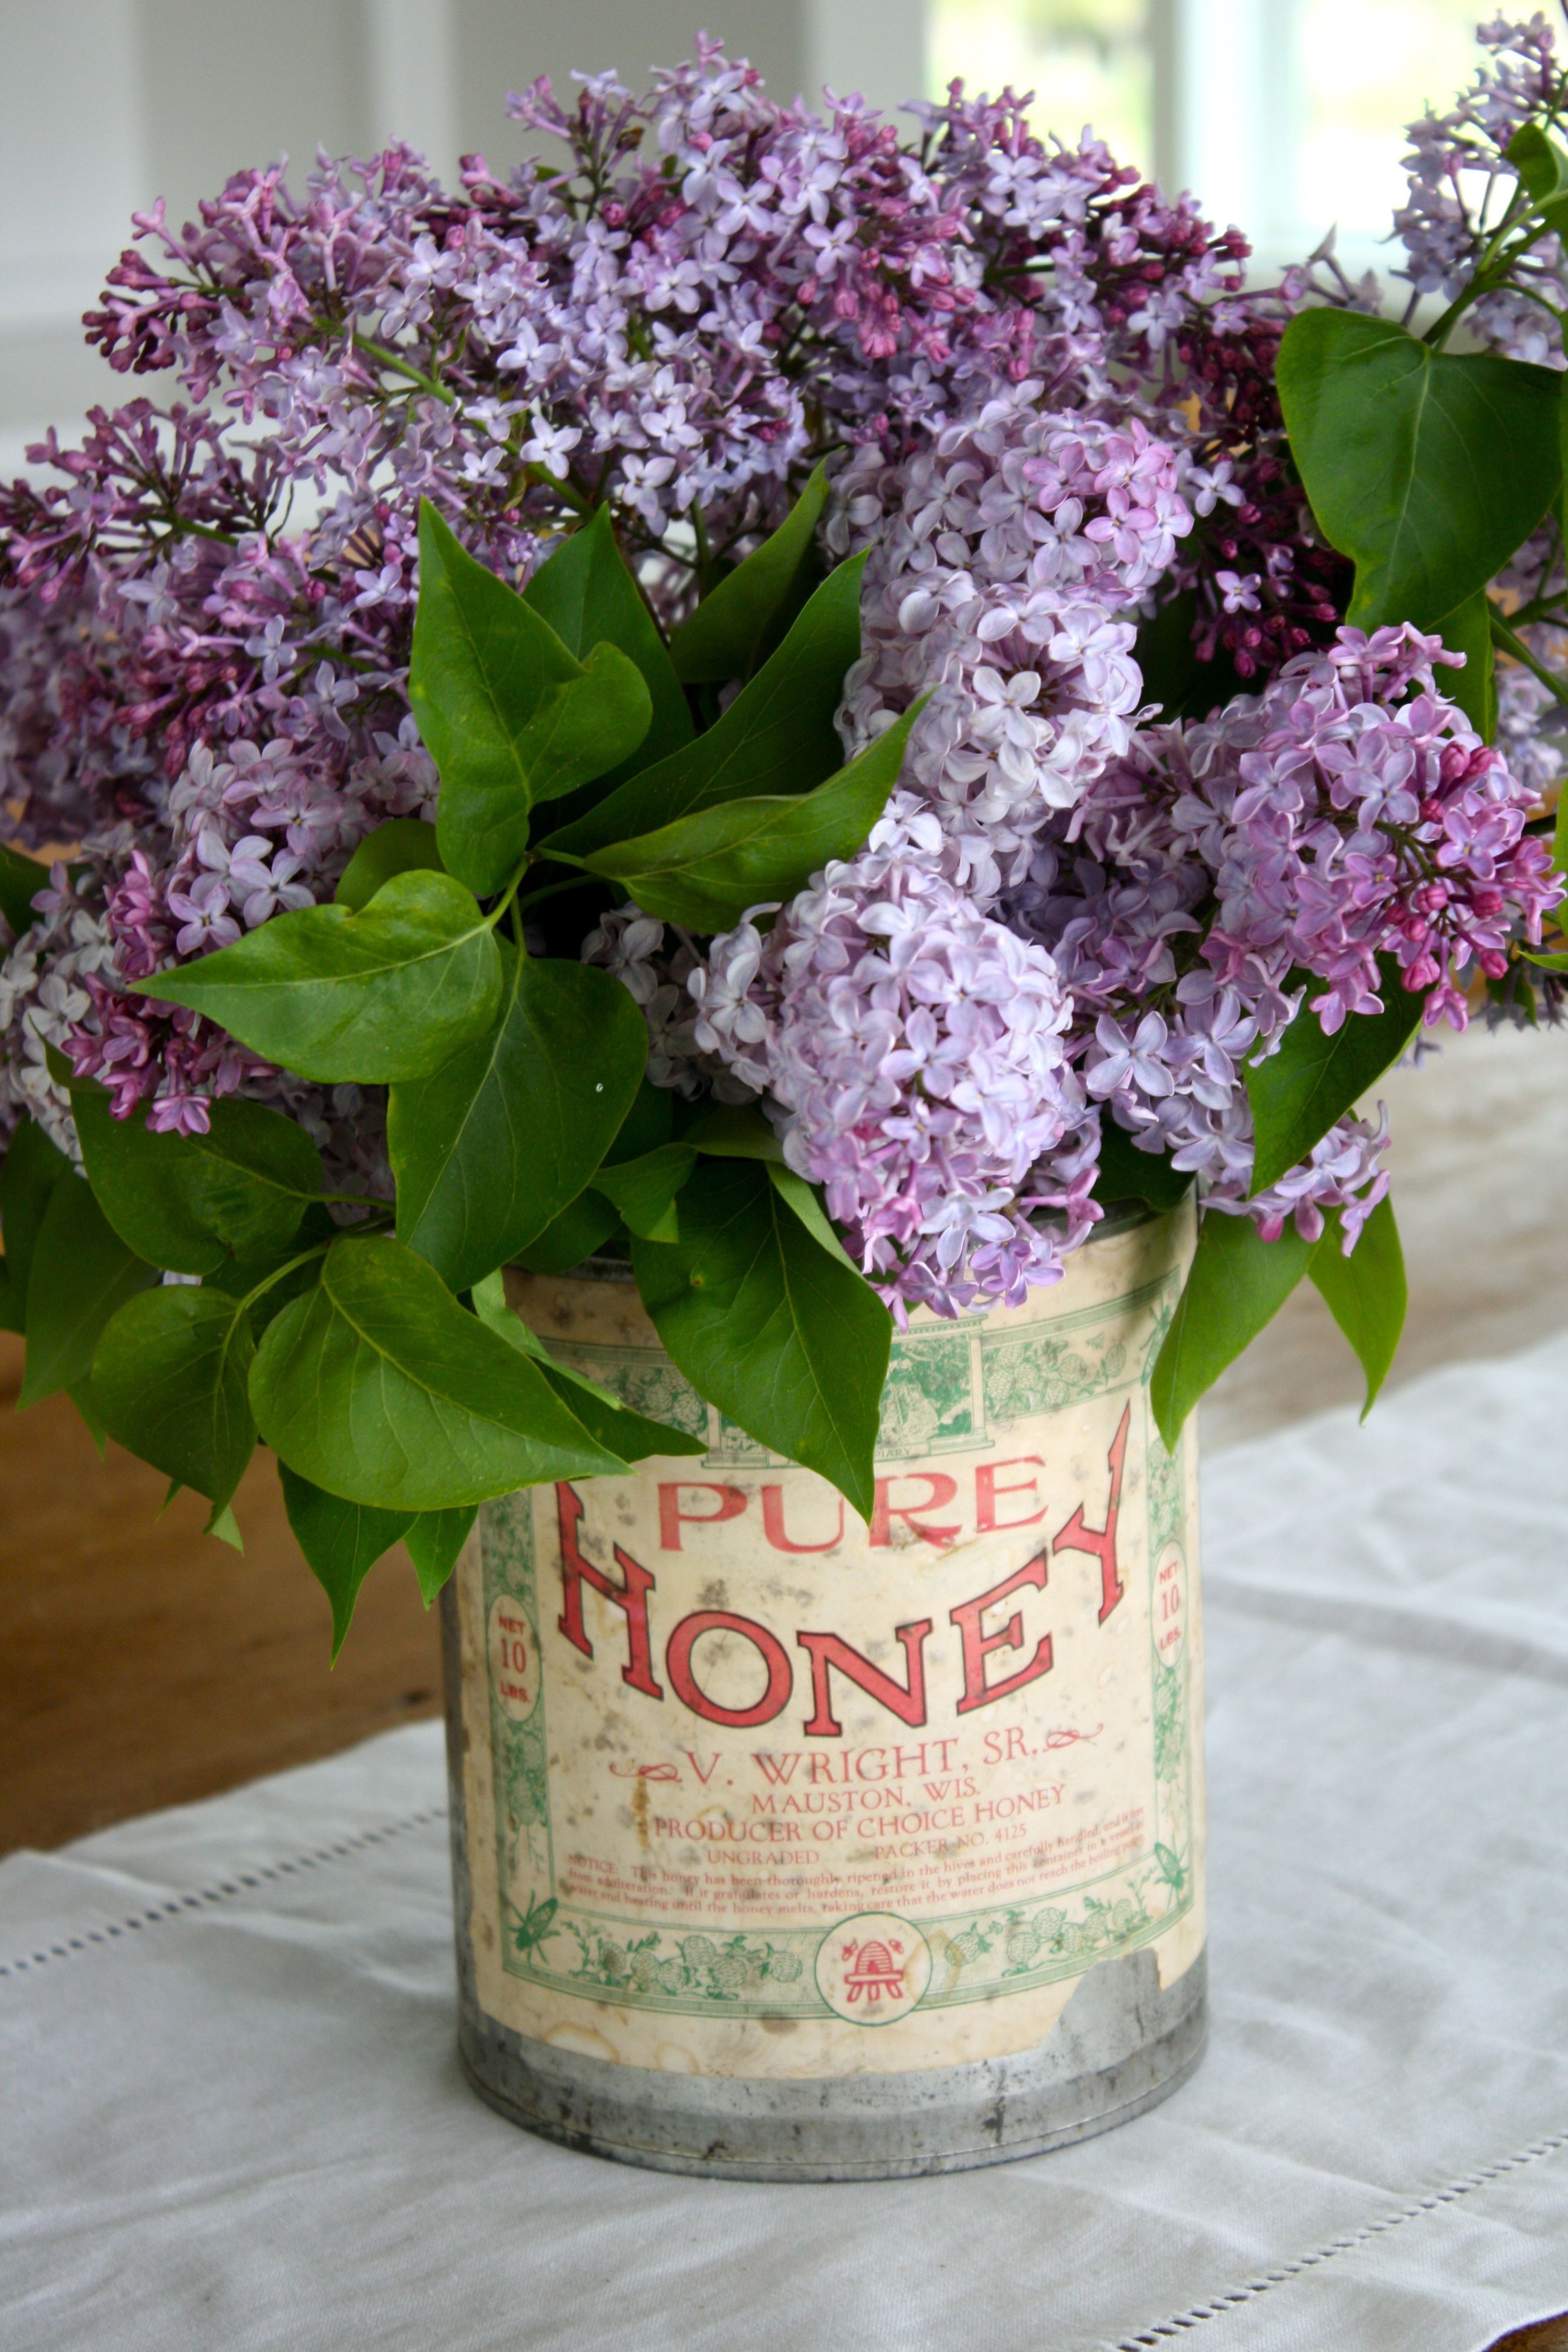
x: 1007, y: 562
x: 921, y: 1050
x: 204, y: 625
x: 1159, y: 916
x: 1050, y: 407
x: 1461, y: 182
x: 1268, y: 859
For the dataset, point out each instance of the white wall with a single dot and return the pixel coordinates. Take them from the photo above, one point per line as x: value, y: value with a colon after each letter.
x: 105, y: 104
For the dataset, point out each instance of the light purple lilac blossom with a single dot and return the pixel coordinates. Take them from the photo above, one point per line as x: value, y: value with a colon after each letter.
x: 1007, y: 564
x: 1231, y: 873
x: 1204, y: 890
x: 920, y: 1051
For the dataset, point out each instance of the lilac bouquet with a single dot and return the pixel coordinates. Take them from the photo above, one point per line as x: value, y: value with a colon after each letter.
x: 809, y: 708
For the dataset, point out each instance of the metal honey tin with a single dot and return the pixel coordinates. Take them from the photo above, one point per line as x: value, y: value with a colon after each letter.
x: 791, y: 1847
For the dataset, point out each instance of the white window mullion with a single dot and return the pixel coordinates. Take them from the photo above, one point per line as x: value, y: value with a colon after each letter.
x: 875, y: 46
x: 412, y: 77
x: 1224, y: 99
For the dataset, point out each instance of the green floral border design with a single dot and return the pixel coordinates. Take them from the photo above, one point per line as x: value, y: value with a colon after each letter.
x: 946, y: 1388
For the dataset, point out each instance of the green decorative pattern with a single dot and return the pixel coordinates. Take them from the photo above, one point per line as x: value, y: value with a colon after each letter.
x: 1170, y: 1722
x: 644, y: 1380
x: 521, y: 1778
x: 735, y: 1446
x: 944, y: 1387
x: 1164, y: 1475
x: 930, y: 1404
x: 1035, y: 1370
x: 1016, y: 1940
x: 713, y: 1968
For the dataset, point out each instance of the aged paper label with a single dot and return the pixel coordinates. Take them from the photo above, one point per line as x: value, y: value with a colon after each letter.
x: 754, y: 1788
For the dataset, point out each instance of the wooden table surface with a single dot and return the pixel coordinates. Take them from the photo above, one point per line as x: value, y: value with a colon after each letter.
x: 144, y: 1664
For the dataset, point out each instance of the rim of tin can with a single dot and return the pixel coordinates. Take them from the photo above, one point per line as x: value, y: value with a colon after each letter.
x: 1120, y: 1217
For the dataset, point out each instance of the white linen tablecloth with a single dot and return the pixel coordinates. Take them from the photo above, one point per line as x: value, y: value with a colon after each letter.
x: 231, y: 2119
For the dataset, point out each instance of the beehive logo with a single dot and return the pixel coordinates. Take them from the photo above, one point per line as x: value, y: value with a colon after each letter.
x: 873, y: 1968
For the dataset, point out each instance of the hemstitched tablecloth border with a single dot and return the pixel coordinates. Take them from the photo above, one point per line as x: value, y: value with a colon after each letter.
x: 267, y: 1874
x: 1180, y: 2322
x: 1220, y: 2305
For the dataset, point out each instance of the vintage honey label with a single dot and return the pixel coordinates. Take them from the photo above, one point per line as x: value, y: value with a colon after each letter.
x: 756, y: 1788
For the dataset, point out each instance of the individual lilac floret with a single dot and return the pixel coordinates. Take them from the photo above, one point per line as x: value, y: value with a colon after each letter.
x: 654, y: 961
x: 918, y: 1050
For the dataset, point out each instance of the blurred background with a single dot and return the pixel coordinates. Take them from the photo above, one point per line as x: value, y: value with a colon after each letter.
x: 142, y: 1664
x: 1283, y: 114
x: 105, y: 104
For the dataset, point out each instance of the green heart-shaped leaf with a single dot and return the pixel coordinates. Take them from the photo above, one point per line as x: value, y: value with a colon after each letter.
x: 509, y: 715
x: 643, y: 1190
x: 806, y: 1203
x: 589, y: 597
x: 490, y: 1148
x: 630, y: 1435
x: 1366, y: 1293
x: 387, y: 993
x: 734, y: 1131
x: 272, y: 1277
x: 377, y: 1386
x: 404, y: 845
x: 1468, y: 630
x: 591, y: 1220
x: 705, y: 870
x: 190, y: 1203
x: 1128, y: 1174
x: 584, y: 1225
x: 29, y: 1174
x: 81, y: 1395
x: 1542, y: 167
x: 434, y: 1540
x: 342, y: 1541
x: 779, y: 1333
x: 1236, y: 1286
x: 169, y: 1377
x: 81, y: 1274
x: 1314, y: 1078
x: 734, y: 626
x: 777, y: 736
x: 1428, y: 469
